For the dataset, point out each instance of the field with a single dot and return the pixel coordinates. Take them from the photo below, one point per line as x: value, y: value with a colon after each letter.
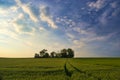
x: 60, y: 69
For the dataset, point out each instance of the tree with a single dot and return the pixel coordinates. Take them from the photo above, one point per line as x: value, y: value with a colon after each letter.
x: 58, y: 55
x: 46, y: 55
x: 42, y: 52
x: 70, y: 53
x: 64, y: 53
x: 36, y: 55
x: 53, y: 54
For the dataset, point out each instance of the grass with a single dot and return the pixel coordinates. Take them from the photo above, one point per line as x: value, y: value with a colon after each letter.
x: 60, y: 69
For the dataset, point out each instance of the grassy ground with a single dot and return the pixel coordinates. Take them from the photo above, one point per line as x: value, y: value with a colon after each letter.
x: 60, y: 69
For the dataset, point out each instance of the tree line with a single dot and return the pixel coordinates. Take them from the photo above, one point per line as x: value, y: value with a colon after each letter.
x: 64, y: 53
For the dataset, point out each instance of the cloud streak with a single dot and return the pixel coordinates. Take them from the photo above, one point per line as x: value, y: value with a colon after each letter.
x: 21, y: 26
x: 44, y: 16
x: 97, y: 5
x: 27, y: 10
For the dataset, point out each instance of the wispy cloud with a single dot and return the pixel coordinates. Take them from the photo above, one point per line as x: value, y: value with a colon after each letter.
x: 9, y: 33
x: 103, y: 18
x: 98, y: 4
x: 42, y: 28
x: 44, y: 16
x: 6, y: 4
x: 27, y: 10
x: 114, y: 4
x: 77, y: 44
x: 87, y: 36
x: 71, y: 36
x: 2, y: 11
x: 65, y: 21
x: 99, y: 38
x: 80, y: 31
x: 22, y: 27
x: 116, y: 8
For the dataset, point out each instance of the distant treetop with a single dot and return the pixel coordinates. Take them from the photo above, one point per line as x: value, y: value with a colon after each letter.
x: 64, y: 53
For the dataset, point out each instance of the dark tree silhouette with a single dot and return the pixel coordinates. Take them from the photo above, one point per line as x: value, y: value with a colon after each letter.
x: 68, y: 73
x: 42, y: 52
x: 64, y: 53
x: 36, y: 55
x: 46, y: 55
x: 70, y: 53
x: 53, y: 54
x: 58, y: 55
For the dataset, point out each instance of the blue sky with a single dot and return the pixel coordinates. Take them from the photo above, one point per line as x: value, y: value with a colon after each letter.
x: 90, y: 27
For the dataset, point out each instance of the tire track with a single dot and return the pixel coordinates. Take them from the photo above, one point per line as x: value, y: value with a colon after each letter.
x: 68, y: 73
x: 77, y: 69
x: 1, y: 77
x: 84, y: 72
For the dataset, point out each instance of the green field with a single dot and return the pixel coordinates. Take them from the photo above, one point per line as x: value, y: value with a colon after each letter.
x: 60, y: 69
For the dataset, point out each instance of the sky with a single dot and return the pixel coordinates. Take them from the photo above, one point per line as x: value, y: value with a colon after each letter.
x: 90, y: 27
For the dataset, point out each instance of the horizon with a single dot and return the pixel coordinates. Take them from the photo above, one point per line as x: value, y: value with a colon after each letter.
x: 90, y: 27
x: 58, y: 58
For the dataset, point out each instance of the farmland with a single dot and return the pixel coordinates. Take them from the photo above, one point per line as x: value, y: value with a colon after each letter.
x: 59, y: 69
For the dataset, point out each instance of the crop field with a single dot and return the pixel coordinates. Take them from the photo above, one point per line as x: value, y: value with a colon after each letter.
x: 60, y: 69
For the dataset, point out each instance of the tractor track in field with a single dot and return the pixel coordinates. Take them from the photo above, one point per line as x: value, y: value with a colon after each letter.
x: 77, y: 69
x: 1, y: 77
x: 69, y: 73
x: 84, y: 72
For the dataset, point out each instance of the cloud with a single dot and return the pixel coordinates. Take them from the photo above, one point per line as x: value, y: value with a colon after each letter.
x: 8, y: 33
x: 42, y: 29
x: 55, y: 47
x: 14, y: 8
x: 65, y: 21
x: 96, y: 38
x: 86, y: 43
x: 11, y: 38
x: 44, y: 16
x: 114, y: 4
x: 8, y: 36
x: 86, y: 37
x: 27, y: 10
x: 103, y: 18
x: 7, y: 14
x: 6, y: 4
x: 21, y: 26
x: 80, y: 31
x: 20, y: 16
x: 116, y: 12
x: 3, y: 11
x: 97, y: 5
x: 71, y: 36
x: 27, y: 43
x: 78, y: 44
x: 3, y: 41
x: 22, y: 29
